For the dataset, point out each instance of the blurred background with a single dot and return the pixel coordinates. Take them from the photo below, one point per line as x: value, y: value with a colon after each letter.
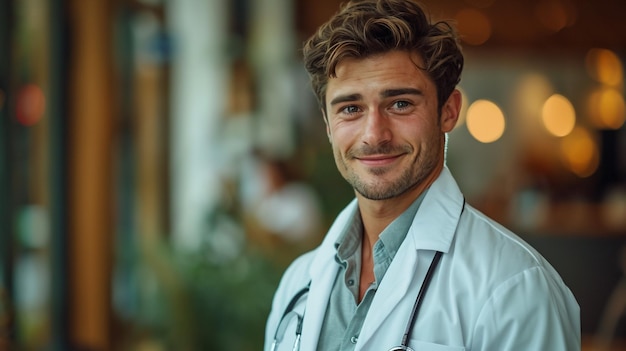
x: 162, y: 162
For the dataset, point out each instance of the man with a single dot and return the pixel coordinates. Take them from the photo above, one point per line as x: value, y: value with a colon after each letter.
x: 408, y: 265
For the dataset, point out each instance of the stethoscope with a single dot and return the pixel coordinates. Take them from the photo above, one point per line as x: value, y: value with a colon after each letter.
x: 284, y: 321
x: 290, y: 313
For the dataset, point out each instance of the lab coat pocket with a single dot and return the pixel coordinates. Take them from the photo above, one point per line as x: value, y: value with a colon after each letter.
x: 428, y: 346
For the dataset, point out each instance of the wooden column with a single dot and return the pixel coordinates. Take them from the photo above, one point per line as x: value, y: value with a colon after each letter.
x: 90, y: 171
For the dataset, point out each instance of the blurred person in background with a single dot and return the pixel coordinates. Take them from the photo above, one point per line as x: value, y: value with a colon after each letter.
x: 281, y: 207
x: 408, y: 264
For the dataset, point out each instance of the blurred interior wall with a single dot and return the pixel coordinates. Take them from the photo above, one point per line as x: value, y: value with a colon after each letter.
x: 6, y: 273
x: 90, y: 171
x: 58, y: 181
x: 199, y: 87
x: 272, y: 48
x: 5, y: 27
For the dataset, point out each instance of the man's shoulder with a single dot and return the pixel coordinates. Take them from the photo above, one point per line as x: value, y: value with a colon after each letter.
x: 484, y: 241
x: 497, y: 258
x: 297, y: 273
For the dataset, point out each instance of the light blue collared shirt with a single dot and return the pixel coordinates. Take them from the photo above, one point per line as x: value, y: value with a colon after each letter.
x: 344, y: 315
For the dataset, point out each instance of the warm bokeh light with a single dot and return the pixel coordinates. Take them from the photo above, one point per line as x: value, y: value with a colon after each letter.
x: 30, y: 105
x: 529, y: 96
x: 558, y: 115
x: 606, y: 108
x: 485, y: 121
x: 555, y: 15
x: 604, y: 66
x: 579, y: 152
x: 474, y: 27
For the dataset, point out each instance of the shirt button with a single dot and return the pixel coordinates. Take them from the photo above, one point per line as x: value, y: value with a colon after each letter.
x: 350, y: 282
x: 354, y: 339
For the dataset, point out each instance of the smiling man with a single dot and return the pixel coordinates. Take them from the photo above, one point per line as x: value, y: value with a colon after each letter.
x: 408, y: 265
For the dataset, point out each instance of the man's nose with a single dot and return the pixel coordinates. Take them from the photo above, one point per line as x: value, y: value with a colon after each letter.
x: 377, y: 129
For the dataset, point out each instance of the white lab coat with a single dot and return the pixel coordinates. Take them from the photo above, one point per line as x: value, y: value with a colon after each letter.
x: 491, y: 290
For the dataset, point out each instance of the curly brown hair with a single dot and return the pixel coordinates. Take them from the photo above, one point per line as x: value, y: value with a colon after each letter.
x: 368, y: 27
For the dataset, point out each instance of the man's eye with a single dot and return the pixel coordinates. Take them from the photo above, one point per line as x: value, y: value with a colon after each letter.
x: 401, y: 104
x: 350, y: 109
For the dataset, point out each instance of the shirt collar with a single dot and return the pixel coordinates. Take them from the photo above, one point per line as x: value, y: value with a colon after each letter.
x: 391, y: 237
x: 395, y: 233
x: 350, y: 240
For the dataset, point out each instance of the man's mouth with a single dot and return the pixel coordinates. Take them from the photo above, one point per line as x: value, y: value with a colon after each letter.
x: 378, y: 160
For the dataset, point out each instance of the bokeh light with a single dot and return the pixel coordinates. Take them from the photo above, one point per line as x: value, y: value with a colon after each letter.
x: 606, y: 108
x: 604, y: 66
x: 558, y: 115
x: 474, y: 27
x: 485, y: 121
x: 30, y: 105
x: 579, y: 152
x: 529, y: 96
x: 555, y: 15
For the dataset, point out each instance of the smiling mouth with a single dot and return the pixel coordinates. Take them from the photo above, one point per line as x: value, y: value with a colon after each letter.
x: 379, y: 156
x: 378, y: 160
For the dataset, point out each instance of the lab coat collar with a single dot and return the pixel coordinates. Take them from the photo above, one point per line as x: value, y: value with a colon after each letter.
x: 436, y: 220
x: 327, y: 249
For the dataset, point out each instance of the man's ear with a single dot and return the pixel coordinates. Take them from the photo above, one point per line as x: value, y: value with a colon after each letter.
x: 450, y: 111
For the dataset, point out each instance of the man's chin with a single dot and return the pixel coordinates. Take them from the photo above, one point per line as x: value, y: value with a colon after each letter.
x: 377, y: 194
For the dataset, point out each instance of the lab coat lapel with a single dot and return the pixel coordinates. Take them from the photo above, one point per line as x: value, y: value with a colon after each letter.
x: 433, y: 229
x: 321, y: 286
x: 323, y: 272
x: 435, y: 223
x: 393, y: 288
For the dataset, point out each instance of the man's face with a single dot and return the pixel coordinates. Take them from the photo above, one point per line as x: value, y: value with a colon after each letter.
x: 382, y: 121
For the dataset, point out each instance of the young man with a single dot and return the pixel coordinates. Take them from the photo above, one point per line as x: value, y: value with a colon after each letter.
x: 408, y: 265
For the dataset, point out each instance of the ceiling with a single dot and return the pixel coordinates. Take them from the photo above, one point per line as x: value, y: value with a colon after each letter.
x: 540, y: 25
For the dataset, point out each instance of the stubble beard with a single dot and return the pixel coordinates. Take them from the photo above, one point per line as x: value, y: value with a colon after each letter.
x: 379, y: 189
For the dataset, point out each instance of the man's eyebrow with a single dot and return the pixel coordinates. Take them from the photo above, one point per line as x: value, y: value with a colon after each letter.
x: 400, y: 91
x: 345, y: 98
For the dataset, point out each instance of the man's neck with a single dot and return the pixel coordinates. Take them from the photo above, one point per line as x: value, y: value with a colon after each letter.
x: 378, y: 214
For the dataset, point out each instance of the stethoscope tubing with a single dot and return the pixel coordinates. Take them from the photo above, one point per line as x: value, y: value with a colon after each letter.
x: 280, y: 330
x: 420, y: 298
x: 409, y: 328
